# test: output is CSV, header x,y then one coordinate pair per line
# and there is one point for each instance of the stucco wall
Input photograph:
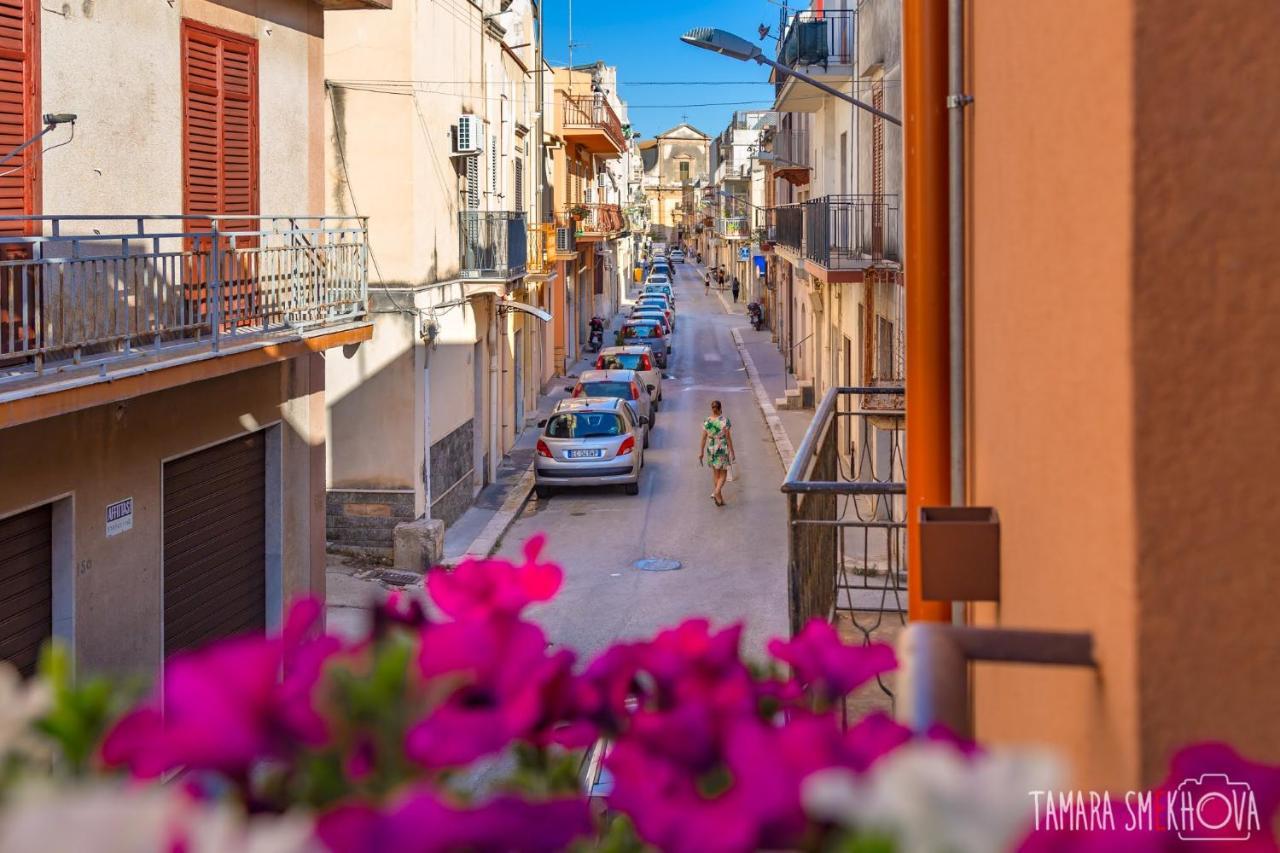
x,y
1051,415
101,455
1206,352
117,66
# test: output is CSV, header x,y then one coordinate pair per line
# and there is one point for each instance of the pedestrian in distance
x,y
706,282
716,451
735,288
720,279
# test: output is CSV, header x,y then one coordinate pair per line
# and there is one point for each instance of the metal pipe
x,y
956,342
934,684
924,77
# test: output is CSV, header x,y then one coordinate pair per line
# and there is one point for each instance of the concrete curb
x,y
486,541
781,441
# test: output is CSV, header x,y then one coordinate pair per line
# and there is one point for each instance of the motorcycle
x,y
756,313
596,339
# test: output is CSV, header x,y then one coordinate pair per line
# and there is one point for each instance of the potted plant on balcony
x,y
578,211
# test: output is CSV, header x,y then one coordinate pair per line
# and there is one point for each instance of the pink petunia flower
x,y
823,663
230,705
424,823
481,589
507,687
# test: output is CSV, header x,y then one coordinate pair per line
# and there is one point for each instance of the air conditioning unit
x,y
566,239
469,135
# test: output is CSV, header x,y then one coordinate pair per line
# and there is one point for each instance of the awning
x,y
528,309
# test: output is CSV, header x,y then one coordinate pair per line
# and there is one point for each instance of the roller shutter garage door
x,y
215,543
26,586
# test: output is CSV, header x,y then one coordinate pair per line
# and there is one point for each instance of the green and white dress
x,y
717,429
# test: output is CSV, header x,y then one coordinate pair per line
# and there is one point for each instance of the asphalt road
x,y
733,557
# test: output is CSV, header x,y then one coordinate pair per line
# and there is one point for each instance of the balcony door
x,y
220,166
20,297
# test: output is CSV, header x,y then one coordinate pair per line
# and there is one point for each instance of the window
x,y
684,171
220,122
585,425
621,390
884,347
493,165
473,182
20,120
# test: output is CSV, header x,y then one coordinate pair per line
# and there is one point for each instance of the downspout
x,y
956,102
924,78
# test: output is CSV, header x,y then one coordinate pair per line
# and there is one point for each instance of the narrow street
x,y
733,558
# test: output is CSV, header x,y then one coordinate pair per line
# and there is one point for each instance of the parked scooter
x,y
756,313
596,339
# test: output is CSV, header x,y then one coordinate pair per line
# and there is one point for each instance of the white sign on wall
x,y
119,516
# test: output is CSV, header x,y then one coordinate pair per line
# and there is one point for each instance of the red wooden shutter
x,y
220,122
20,299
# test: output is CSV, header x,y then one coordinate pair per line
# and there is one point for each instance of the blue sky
x,y
643,40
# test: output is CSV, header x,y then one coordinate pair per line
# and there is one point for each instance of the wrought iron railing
x,y
850,230
541,249
846,513
598,219
814,37
107,286
593,112
733,226
789,226
492,244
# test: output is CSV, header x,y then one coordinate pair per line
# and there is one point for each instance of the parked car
x,y
658,297
660,309
647,333
589,441
657,278
656,314
625,385
637,358
663,287
677,257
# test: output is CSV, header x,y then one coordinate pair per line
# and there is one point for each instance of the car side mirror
x,y
542,423
651,388
569,388
643,421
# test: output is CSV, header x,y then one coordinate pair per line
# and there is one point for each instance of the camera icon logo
x,y
1211,807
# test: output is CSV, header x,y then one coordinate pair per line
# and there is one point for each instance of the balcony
x,y
822,44
790,158
733,227
492,245
89,297
852,231
541,250
788,221
597,221
591,122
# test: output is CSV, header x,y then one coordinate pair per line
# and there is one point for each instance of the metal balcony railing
x,y
791,148
733,226
105,287
814,37
789,226
851,230
598,219
492,244
846,512
541,249
592,112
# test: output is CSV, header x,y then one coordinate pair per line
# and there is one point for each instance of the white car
x,y
637,358
677,257
657,278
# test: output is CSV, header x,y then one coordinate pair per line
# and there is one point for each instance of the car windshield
x,y
621,390
649,331
624,361
584,425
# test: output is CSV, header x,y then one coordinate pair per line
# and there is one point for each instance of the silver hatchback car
x,y
637,358
624,384
589,441
650,334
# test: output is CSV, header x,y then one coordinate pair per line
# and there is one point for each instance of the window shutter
x,y
220,123
519,188
19,113
493,165
473,182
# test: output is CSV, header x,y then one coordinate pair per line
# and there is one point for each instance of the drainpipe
x,y
956,102
924,76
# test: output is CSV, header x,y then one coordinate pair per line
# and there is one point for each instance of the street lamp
x,y
727,44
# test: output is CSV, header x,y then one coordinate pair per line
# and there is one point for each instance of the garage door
x,y
215,543
26,586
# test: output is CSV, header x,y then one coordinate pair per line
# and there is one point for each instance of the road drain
x,y
655,564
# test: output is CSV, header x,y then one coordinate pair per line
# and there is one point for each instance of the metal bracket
x,y
959,101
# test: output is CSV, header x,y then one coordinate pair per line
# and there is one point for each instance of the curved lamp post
x,y
734,47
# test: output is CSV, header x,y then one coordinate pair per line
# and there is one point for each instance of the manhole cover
x,y
656,564
397,578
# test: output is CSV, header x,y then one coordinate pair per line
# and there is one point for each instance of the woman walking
x,y
717,450
735,288
706,282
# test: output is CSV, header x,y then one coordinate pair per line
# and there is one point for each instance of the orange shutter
x,y
20,299
220,123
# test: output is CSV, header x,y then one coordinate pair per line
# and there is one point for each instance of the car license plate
x,y
584,454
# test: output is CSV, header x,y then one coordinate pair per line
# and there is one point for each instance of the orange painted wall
x,y
1124,199
1051,205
